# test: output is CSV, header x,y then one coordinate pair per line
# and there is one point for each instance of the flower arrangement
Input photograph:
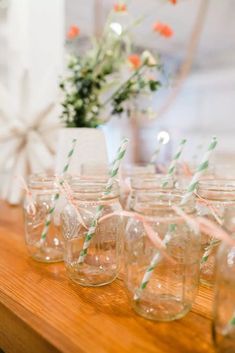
x,y
104,80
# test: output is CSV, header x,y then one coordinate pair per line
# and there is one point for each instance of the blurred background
x,y
205,104
197,99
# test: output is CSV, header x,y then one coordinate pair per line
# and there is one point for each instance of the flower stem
x,y
123,85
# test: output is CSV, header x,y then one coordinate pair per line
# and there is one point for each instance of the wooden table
x,y
42,311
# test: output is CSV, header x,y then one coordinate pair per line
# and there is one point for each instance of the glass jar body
x,y
215,197
223,326
102,262
130,171
172,283
147,184
144,186
42,190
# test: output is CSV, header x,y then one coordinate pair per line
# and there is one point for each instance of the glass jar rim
x,y
92,187
163,200
147,182
222,184
138,169
193,167
217,189
44,181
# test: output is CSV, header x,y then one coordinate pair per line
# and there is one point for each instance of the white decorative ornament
x,y
4,4
164,137
27,137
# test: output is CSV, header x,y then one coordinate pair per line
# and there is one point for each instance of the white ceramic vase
x,y
90,149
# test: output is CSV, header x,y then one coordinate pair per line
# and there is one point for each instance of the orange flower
x,y
73,32
120,7
174,2
134,61
163,29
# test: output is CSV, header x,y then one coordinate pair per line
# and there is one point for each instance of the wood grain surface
x,y
41,310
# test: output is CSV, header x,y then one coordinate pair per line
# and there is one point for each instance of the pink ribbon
x,y
161,168
66,190
186,169
206,226
195,223
213,210
30,205
152,235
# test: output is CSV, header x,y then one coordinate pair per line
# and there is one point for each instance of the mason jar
x,y
130,171
185,172
40,199
189,168
148,183
101,264
225,171
223,325
215,196
162,288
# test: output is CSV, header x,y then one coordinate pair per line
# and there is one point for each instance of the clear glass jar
x,y
102,262
43,189
185,172
188,169
215,196
148,183
225,171
145,183
130,171
223,326
160,289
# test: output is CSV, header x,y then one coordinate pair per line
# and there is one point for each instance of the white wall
x,y
204,107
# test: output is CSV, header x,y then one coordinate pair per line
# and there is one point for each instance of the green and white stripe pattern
x,y
172,167
116,165
69,156
203,166
157,151
112,175
154,262
157,257
192,186
57,195
199,172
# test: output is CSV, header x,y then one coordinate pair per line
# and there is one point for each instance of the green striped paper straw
x,y
157,151
192,186
66,167
57,195
154,262
116,165
172,167
108,188
203,166
200,171
157,257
